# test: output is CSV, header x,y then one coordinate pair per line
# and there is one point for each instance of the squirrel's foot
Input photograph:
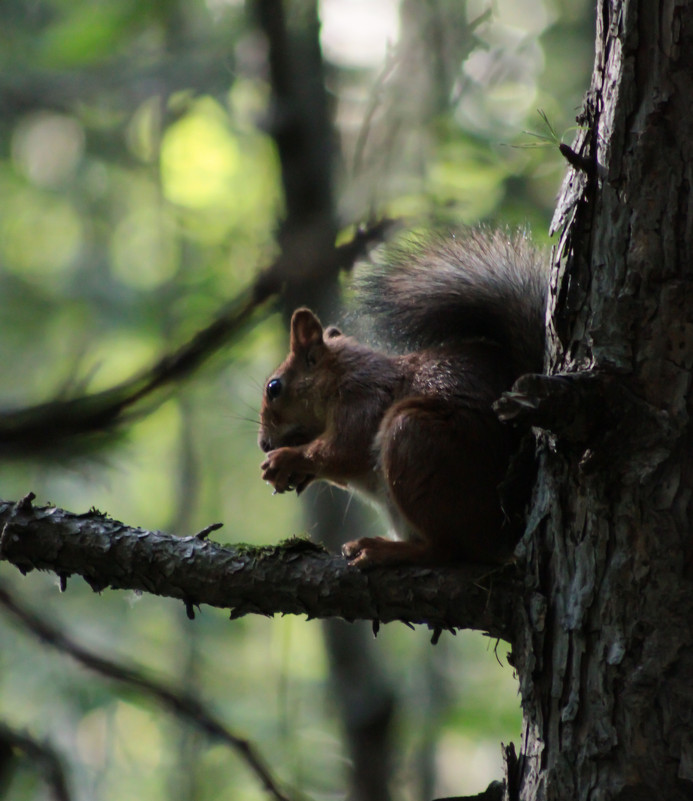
x,y
369,552
363,552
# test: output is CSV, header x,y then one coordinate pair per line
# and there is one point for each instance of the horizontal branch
x,y
294,577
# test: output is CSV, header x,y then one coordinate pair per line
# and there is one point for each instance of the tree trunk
x,y
605,642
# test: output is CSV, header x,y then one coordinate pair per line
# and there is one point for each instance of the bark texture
x,y
296,577
604,647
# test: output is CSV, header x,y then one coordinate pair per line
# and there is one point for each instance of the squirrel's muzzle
x,y
264,442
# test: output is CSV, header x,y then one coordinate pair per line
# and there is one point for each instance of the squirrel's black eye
x,y
274,389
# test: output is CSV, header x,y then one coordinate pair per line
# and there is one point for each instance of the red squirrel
x,y
415,432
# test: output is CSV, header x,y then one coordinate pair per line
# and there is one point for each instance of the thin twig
x,y
392,60
39,754
178,701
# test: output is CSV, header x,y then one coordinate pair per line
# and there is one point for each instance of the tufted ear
x,y
306,331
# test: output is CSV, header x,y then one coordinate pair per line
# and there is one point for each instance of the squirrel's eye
x,y
274,389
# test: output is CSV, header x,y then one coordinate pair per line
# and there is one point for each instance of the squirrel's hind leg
x,y
442,464
370,552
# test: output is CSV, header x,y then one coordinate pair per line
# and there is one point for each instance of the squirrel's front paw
x,y
284,469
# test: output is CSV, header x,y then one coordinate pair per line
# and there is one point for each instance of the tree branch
x,y
77,425
178,701
41,755
294,577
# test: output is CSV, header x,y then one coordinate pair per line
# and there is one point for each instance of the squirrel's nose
x,y
264,443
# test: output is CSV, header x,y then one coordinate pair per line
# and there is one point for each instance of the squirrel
x,y
415,431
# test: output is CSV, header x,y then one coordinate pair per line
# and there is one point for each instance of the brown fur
x,y
416,433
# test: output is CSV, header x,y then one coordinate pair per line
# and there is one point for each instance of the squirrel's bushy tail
x,y
477,283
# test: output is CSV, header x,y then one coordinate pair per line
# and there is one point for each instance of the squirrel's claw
x,y
301,485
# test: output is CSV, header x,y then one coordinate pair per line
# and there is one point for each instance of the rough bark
x,y
604,645
296,577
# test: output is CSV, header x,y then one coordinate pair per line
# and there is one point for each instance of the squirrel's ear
x,y
306,330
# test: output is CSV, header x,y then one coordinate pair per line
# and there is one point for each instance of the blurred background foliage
x,y
139,189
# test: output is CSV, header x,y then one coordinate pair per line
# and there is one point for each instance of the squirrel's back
x,y
474,284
